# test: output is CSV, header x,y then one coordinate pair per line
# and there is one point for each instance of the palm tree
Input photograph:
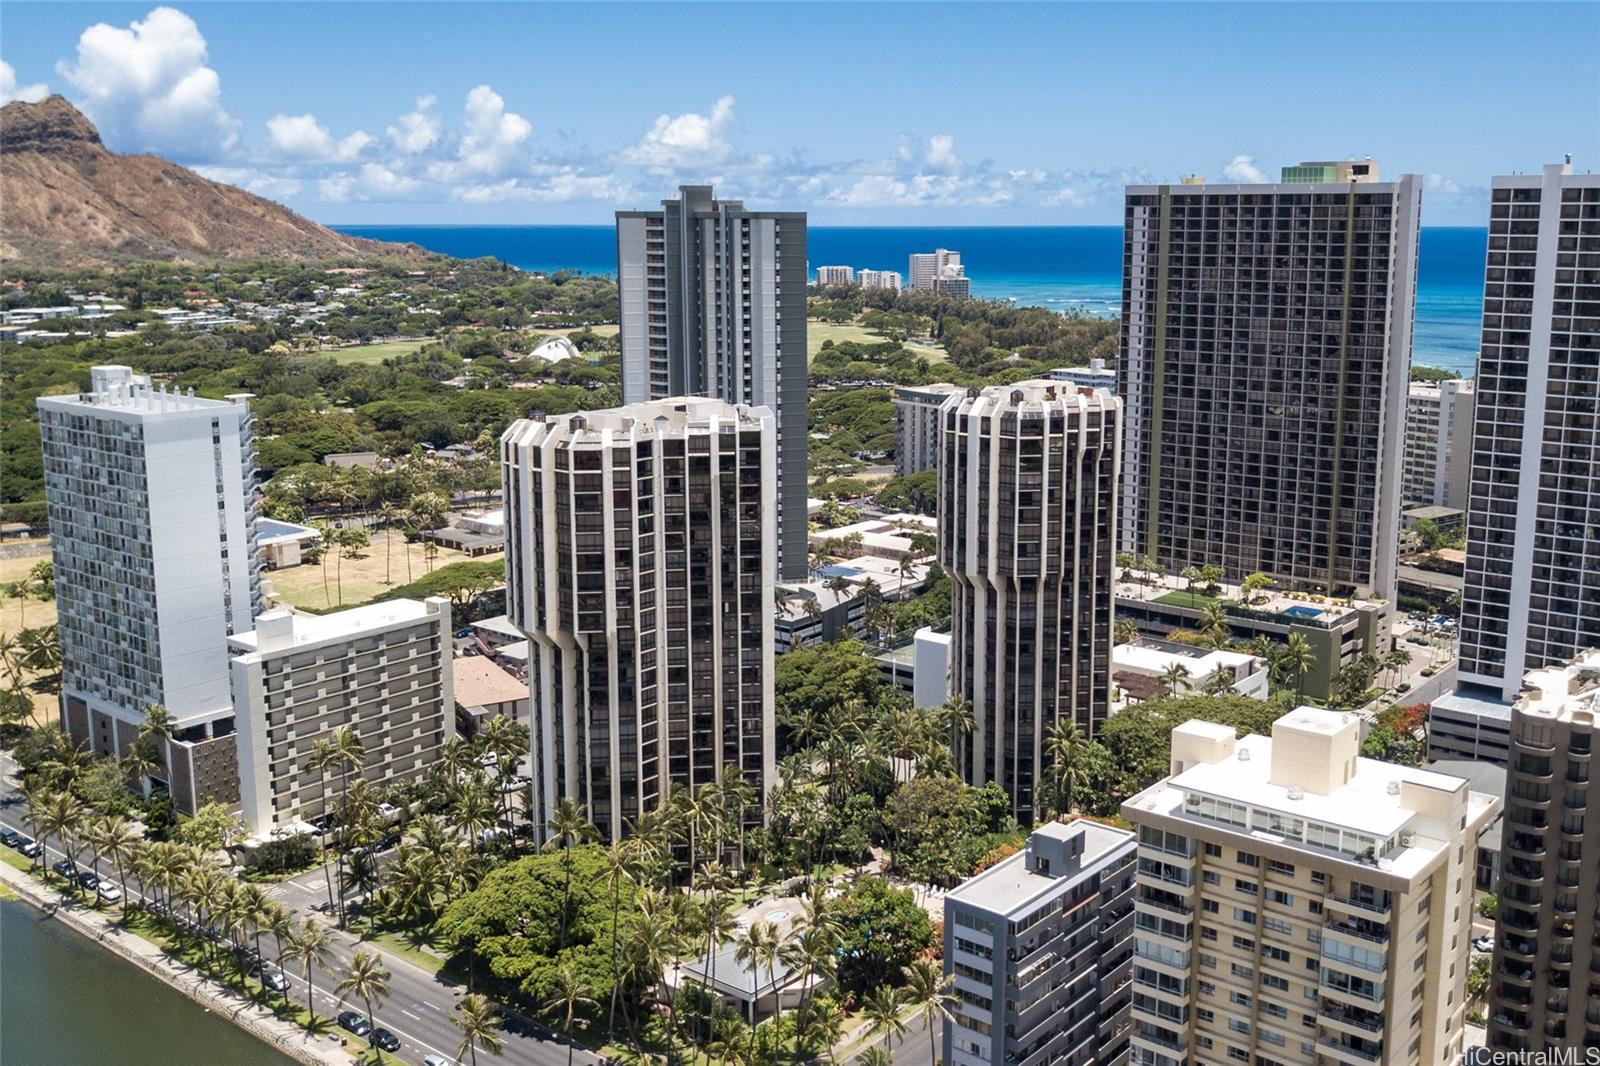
x,y
479,1025
1297,658
117,841
312,946
368,978
1125,631
1175,676
619,871
62,818
1063,744
717,920
280,922
882,1009
928,989
568,826
386,518
36,796
759,946
347,754
570,994
1214,624
876,1055
655,944
1395,661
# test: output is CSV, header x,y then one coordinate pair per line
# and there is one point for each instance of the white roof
x,y
306,629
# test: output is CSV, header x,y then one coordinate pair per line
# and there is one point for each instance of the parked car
x,y
385,1040
270,977
1484,944
63,867
354,1022
29,848
88,880
109,892
436,1060
9,837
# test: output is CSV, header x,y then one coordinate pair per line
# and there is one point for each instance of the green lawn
x,y
837,332
1180,598
373,353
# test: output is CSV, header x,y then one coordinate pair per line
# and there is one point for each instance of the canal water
x,y
65,1001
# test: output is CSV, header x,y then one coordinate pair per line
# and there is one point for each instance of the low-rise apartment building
x,y
384,670
1039,948
1299,904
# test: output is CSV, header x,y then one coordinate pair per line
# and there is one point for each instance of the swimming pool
x,y
1298,611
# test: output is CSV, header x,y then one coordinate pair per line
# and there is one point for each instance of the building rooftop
x,y
673,415
1567,693
479,682
118,388
1013,886
1151,656
1306,789
272,530
1298,608
282,629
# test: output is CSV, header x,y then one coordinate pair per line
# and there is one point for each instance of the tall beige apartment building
x,y
1299,904
383,670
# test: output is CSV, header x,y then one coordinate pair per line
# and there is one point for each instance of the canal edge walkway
x,y
254,1019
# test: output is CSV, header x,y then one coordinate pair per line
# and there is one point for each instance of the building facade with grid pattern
x,y
382,670
1027,521
1545,989
151,497
1532,592
1265,357
640,560
1298,905
713,303
1438,455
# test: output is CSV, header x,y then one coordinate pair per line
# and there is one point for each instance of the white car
x,y
109,892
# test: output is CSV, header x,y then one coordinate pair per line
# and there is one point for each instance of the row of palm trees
x,y
210,908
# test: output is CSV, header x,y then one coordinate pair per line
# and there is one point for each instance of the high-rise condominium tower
x,y
714,304
1438,453
152,529
1545,992
641,559
1027,520
927,267
1532,595
1298,904
1266,350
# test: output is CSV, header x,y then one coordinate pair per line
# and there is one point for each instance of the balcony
x,y
1361,930
1363,1020
1353,1053
1363,904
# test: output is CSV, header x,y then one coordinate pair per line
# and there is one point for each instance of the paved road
x,y
419,1004
1428,689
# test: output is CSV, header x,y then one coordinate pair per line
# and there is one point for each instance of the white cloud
x,y
942,154
685,140
559,187
1440,183
374,181
10,90
1242,168
417,130
272,186
303,137
148,87
492,133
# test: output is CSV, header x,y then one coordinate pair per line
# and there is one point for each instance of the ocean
x,y
1060,267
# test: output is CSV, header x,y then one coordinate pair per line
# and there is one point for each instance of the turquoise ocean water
x,y
1059,267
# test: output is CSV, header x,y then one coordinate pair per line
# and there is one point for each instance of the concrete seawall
x,y
285,1037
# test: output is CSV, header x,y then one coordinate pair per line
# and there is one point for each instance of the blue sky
x,y
862,113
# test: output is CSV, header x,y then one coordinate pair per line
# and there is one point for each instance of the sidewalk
x,y
254,1019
